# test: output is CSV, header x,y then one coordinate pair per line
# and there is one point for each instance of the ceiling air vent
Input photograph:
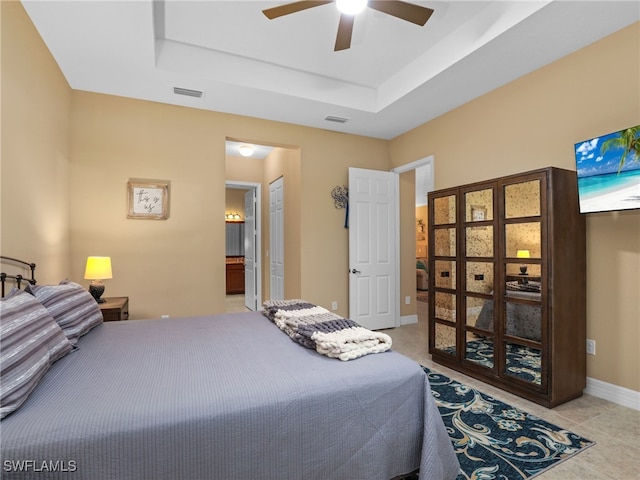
x,y
333,118
187,92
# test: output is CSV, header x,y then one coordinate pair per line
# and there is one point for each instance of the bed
x,y
223,397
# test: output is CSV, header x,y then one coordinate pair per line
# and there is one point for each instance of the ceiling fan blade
x,y
345,29
293,7
406,11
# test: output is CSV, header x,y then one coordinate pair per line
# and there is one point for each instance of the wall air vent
x,y
333,118
187,92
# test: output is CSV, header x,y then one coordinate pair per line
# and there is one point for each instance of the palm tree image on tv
x,y
608,170
629,141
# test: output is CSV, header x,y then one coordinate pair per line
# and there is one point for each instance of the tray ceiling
x,y
395,76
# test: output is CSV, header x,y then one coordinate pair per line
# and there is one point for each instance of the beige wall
x,y
116,138
534,122
34,157
243,169
324,242
173,266
407,242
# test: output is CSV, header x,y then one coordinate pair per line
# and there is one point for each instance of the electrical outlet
x,y
591,347
164,316
334,305
407,300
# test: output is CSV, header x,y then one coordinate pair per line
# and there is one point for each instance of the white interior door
x,y
373,253
276,239
250,240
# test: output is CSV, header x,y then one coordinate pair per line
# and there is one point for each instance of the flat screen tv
x,y
608,170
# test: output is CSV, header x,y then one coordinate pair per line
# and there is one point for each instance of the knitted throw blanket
x,y
329,334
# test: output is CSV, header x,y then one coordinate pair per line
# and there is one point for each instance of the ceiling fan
x,y
397,8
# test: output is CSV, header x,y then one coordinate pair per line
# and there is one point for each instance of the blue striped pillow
x,y
71,306
30,341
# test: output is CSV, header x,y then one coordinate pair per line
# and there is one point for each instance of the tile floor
x,y
616,429
235,303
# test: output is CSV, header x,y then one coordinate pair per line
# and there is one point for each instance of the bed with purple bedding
x,y
226,397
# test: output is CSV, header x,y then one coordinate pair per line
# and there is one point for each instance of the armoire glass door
x,y
523,296
443,300
479,273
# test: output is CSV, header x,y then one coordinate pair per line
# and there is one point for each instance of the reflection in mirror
x,y
522,199
445,274
445,242
444,210
474,307
484,315
234,232
479,350
524,363
479,205
523,272
479,277
522,319
445,306
479,241
524,238
445,338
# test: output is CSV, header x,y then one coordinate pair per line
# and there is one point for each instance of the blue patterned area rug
x,y
494,440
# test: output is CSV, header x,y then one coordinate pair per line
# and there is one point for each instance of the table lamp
x,y
523,254
98,269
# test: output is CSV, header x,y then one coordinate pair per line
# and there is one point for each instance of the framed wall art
x,y
148,199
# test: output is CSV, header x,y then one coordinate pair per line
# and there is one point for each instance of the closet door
x,y
276,239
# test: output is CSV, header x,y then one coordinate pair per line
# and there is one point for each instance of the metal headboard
x,y
17,279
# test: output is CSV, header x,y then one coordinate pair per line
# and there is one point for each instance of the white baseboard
x,y
608,391
408,319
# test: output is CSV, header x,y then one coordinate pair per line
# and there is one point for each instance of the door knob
x,y
355,271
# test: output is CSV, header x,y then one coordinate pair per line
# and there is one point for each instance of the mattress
x,y
226,397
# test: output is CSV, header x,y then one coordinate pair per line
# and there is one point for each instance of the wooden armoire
x,y
507,302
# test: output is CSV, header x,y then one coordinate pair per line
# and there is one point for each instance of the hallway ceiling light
x,y
245,150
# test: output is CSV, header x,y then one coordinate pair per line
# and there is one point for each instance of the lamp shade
x,y
523,254
98,268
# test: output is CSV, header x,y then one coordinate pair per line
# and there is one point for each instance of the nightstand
x,y
115,308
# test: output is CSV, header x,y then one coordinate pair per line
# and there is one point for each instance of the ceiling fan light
x,y
245,150
351,7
